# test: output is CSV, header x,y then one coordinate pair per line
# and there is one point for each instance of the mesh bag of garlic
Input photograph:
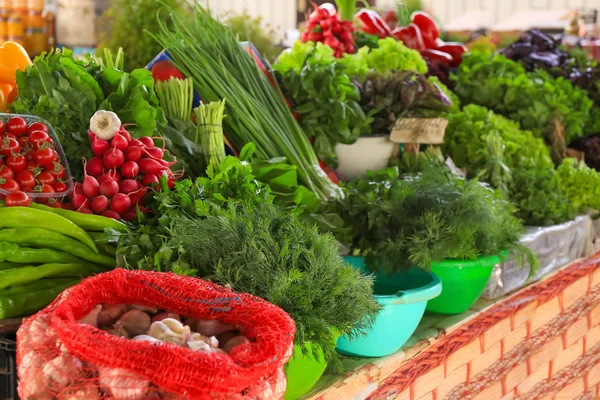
x,y
145,335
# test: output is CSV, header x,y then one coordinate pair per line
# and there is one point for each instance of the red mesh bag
x,y
59,358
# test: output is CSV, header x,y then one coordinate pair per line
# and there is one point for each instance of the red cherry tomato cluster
x,y
325,26
29,162
119,175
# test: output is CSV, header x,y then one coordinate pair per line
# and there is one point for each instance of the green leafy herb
x,y
417,219
326,101
551,108
538,197
580,184
400,94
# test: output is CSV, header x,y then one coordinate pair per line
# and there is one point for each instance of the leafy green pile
x,y
551,108
125,23
389,55
467,143
454,100
538,196
326,101
226,228
400,94
580,183
398,221
66,92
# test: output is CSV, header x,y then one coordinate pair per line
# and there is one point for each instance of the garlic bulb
x,y
174,325
105,124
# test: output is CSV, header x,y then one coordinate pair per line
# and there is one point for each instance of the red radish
x,y
128,185
78,188
130,216
79,200
137,197
92,136
111,214
90,186
99,204
129,169
147,141
134,153
99,146
85,210
113,158
119,142
150,180
120,203
137,143
125,134
150,166
94,166
107,176
155,152
109,188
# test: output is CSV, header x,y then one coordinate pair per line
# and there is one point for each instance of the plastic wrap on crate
x,y
555,247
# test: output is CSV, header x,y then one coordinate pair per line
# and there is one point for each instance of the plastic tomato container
x,y
68,179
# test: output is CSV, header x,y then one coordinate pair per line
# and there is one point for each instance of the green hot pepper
x,y
24,255
24,217
35,286
8,265
44,238
88,222
23,275
28,303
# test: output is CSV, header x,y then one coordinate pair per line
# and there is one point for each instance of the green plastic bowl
x,y
462,283
403,296
303,372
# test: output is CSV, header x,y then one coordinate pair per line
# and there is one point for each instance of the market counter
x,y
542,342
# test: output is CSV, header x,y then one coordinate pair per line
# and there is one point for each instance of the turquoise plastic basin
x,y
404,296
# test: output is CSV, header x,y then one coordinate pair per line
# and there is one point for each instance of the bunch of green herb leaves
x,y
326,101
400,94
551,108
537,194
226,228
416,219
66,92
580,184
125,23
489,146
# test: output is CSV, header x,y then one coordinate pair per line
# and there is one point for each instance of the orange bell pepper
x,y
13,57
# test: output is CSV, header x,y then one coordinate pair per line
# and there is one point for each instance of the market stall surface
x,y
540,342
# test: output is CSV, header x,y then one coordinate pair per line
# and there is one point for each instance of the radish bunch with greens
x,y
122,170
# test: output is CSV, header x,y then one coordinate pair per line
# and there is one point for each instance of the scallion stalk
x,y
176,97
209,52
209,118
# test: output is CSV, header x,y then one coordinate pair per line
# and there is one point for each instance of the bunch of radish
x,y
121,172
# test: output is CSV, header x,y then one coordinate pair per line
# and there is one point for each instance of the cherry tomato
x,y
60,187
46,178
25,179
10,135
16,163
45,157
6,172
24,142
10,185
30,154
9,146
1,127
46,189
37,126
39,139
59,171
17,126
17,199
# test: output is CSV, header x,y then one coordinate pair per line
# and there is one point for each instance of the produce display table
x,y
542,342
